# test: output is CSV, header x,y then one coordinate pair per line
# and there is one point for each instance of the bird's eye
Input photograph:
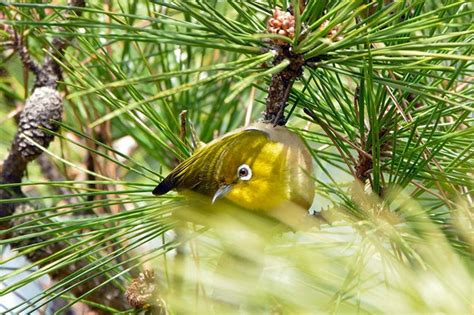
x,y
244,172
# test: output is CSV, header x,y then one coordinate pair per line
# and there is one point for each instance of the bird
x,y
257,183
260,167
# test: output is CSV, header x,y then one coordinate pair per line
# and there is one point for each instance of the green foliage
x,y
387,90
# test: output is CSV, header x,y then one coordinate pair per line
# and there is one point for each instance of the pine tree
x,y
380,91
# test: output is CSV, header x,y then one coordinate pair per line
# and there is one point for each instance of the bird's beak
x,y
221,192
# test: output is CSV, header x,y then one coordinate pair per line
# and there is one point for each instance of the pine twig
x,y
282,23
43,108
280,85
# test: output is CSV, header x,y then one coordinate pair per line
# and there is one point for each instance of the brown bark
x,y
280,85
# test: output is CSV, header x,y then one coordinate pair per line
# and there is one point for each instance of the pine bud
x,y
282,23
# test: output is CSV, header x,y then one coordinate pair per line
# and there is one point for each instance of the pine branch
x,y
281,82
280,85
42,110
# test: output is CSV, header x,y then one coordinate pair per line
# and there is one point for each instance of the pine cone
x,y
42,108
142,290
282,23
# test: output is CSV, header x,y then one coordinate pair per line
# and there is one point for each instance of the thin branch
x,y
282,23
182,130
43,108
280,85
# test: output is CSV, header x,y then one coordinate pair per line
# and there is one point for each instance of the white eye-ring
x,y
244,172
